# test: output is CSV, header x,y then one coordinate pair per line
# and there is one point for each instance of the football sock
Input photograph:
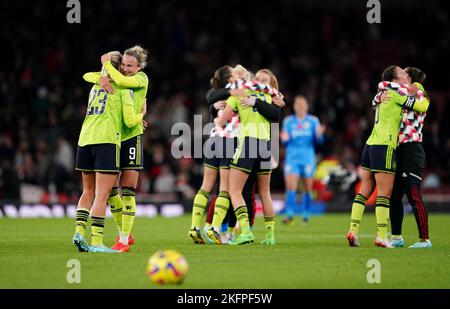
x,y
359,204
200,202
382,214
220,209
128,212
115,205
81,221
242,217
269,223
290,203
98,224
307,199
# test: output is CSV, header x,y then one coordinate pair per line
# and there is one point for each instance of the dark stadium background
x,y
325,50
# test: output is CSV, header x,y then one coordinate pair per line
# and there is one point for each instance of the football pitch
x,y
34,254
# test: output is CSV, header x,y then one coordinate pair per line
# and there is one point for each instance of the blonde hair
x,y
116,60
249,76
243,73
139,53
273,78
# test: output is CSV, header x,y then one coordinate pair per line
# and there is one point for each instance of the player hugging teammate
x,y
111,142
410,166
253,96
379,154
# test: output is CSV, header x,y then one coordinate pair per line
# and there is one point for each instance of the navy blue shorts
x,y
98,158
131,154
253,155
379,159
219,151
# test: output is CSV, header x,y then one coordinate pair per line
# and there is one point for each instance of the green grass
x,y
34,254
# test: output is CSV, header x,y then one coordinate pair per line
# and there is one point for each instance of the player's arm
x,y
99,79
92,77
413,103
220,94
213,111
225,114
419,106
135,81
214,95
319,131
269,111
377,99
285,136
130,117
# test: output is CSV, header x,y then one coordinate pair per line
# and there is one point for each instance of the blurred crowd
x,y
327,52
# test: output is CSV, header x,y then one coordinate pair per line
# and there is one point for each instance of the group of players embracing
x,y
239,156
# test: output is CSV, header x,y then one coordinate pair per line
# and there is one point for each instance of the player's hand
x,y
279,101
144,108
413,89
220,105
377,99
144,123
105,82
320,130
249,101
284,136
385,97
105,58
238,92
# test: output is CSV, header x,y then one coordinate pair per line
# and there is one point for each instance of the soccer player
x,y
272,113
220,143
301,132
378,159
123,208
253,154
410,166
98,156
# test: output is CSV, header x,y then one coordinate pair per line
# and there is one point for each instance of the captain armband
x,y
409,102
